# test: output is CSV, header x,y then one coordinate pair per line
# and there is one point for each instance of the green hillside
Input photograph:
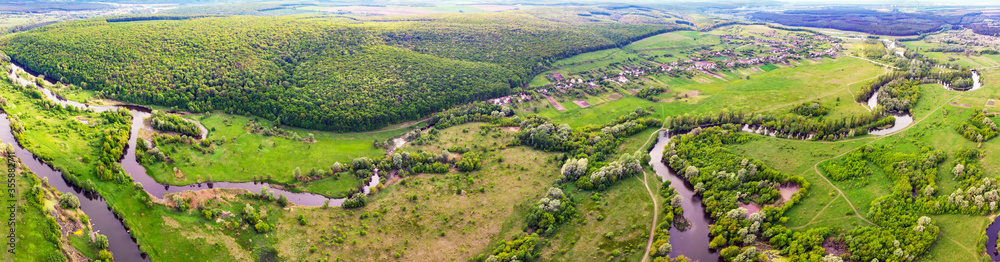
x,y
314,72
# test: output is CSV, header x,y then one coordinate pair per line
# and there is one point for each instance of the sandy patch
x,y
374,10
513,129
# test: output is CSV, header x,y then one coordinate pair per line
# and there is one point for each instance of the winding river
x,y
902,121
103,220
693,241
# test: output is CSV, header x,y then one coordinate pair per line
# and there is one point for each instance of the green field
x,y
162,231
439,224
245,155
784,87
467,215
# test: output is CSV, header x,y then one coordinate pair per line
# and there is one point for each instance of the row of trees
x,y
811,109
594,142
113,143
172,123
786,125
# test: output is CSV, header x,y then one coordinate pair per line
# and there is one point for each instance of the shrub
x,y
69,201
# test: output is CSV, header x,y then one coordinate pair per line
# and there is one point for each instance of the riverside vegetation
x,y
505,181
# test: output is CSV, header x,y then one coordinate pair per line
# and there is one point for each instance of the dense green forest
x,y
315,72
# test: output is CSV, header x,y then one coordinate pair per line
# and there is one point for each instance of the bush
x,y
101,241
105,255
69,201
355,201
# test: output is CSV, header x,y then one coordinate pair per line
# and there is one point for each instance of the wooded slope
x,y
315,72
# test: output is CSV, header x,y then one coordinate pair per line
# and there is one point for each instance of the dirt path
x,y
656,205
656,214
973,253
816,168
656,208
877,63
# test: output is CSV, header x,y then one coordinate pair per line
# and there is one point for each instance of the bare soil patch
x,y
692,93
581,103
712,74
835,246
959,105
615,97
554,103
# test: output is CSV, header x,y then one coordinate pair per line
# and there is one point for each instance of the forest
x,y
324,74
862,20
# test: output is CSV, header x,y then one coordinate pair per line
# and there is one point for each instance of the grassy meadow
x,y
245,155
425,217
63,139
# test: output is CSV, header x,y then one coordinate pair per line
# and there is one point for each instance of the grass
x,y
959,238
30,224
962,60
785,87
624,211
671,40
61,138
822,205
439,225
246,155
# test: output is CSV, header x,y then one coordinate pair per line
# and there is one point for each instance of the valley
x,y
267,132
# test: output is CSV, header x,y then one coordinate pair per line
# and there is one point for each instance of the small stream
x,y
693,241
122,245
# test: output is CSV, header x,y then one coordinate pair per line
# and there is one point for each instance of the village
x,y
964,40
737,49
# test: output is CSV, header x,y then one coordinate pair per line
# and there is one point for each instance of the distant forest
x,y
323,73
863,20
984,29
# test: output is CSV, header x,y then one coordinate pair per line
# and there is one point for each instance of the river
x,y
902,121
693,241
122,245
991,239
